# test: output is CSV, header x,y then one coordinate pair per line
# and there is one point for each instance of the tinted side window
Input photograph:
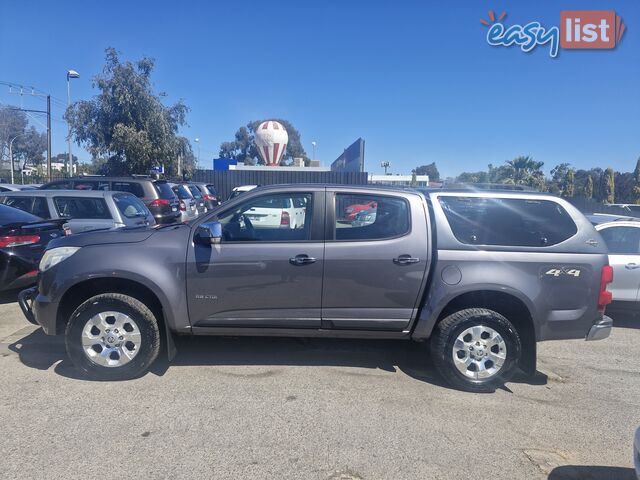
x,y
130,206
131,187
33,205
622,240
268,219
507,221
82,207
370,217
40,207
90,185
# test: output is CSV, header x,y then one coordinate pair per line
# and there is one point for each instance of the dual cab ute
x,y
481,276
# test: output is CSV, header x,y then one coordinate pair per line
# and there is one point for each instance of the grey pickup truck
x,y
482,276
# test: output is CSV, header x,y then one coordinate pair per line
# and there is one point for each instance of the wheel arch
x,y
81,291
506,303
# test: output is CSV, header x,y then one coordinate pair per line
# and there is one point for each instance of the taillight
x,y
159,202
18,241
67,229
605,297
284,218
183,206
210,197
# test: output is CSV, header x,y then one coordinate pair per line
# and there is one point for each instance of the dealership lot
x,y
314,408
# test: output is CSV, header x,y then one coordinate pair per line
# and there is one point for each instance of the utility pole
x,y
49,138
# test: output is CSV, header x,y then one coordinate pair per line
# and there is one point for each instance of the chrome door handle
x,y
302,260
631,266
405,260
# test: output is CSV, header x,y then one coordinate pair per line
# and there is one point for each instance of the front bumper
x,y
39,310
601,329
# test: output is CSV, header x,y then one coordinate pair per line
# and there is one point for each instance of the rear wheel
x,y
476,349
112,337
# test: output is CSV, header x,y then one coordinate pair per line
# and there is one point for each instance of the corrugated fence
x,y
226,180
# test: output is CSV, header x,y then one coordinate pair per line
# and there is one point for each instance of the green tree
x,y
414,180
243,148
624,187
28,145
560,181
430,169
524,170
588,189
609,185
127,122
636,186
570,185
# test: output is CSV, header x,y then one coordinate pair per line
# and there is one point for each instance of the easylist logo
x,y
579,29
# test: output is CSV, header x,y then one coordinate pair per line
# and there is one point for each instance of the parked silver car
x,y
623,241
86,210
188,204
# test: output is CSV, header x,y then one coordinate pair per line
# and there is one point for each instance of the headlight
x,y
56,255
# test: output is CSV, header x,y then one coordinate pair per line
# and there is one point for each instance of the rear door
x,y
373,272
623,242
261,274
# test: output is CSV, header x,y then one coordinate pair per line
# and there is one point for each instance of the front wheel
x,y
112,337
476,349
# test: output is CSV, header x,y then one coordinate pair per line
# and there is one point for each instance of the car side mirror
x,y
209,233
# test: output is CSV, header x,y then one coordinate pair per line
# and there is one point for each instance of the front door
x,y
376,257
267,270
623,242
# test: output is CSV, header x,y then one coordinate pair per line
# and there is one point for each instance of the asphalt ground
x,y
315,409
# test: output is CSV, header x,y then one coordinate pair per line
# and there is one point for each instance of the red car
x,y
351,211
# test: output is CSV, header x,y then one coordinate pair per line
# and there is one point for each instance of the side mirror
x,y
208,233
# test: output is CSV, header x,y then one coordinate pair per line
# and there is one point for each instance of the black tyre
x,y
112,337
475,349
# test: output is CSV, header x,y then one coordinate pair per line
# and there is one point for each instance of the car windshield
x,y
164,190
195,191
182,192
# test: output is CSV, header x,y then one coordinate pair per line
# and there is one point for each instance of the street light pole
x,y
197,140
314,150
11,154
70,74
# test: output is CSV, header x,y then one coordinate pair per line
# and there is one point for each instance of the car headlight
x,y
55,256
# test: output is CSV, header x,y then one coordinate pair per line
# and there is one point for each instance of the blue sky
x,y
416,80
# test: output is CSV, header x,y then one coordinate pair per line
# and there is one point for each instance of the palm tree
x,y
526,171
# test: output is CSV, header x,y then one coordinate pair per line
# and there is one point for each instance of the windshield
x,y
195,191
164,190
182,192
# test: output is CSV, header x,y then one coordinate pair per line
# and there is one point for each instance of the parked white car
x,y
623,241
240,190
279,211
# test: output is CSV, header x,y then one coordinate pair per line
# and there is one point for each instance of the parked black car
x,y
23,239
209,193
157,195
